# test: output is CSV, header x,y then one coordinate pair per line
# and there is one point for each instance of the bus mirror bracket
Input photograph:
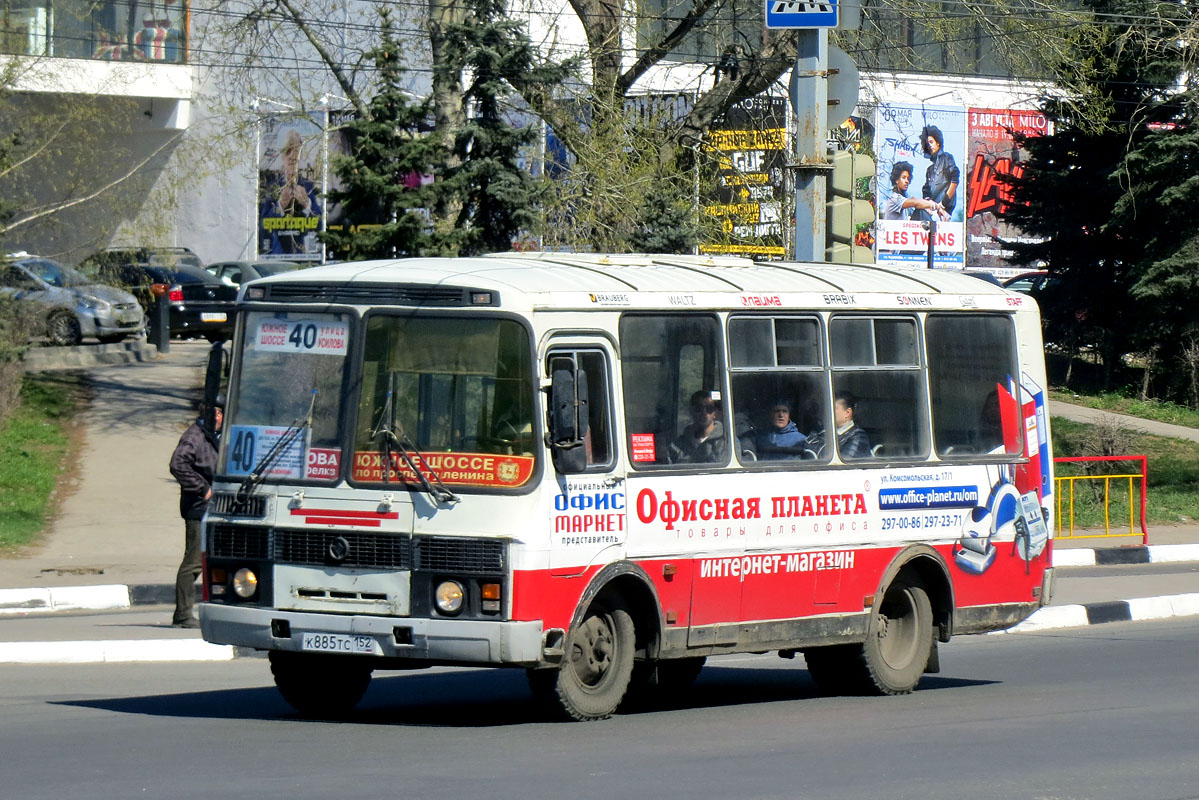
x,y
568,417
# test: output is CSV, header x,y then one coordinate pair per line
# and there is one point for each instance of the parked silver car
x,y
76,306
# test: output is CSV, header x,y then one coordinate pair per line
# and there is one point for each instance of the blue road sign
x,y
798,14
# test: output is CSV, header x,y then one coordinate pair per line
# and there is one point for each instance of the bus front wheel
x,y
319,685
598,664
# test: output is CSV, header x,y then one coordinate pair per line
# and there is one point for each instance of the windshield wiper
x,y
258,474
430,481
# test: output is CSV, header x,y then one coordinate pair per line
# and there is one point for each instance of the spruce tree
x,y
1113,194
384,194
494,197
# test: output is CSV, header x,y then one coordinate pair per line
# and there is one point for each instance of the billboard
x,y
290,185
746,197
919,152
994,155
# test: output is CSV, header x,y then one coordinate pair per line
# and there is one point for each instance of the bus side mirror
x,y
568,417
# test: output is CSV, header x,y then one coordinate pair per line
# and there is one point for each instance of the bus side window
x,y
593,365
876,360
780,387
971,362
665,360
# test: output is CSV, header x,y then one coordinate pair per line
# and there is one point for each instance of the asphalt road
x,y
1100,712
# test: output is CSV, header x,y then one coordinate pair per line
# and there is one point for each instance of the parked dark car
x,y
149,256
74,306
200,305
1028,282
235,273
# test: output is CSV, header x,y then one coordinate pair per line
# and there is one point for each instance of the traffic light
x,y
847,208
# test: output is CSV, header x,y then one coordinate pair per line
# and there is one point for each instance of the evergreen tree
x,y
383,194
1113,197
668,215
493,198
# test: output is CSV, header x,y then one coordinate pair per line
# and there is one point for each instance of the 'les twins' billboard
x,y
946,164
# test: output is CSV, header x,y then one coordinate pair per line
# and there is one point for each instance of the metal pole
x,y
932,237
810,101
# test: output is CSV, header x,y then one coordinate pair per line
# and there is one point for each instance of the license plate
x,y
129,319
212,317
338,643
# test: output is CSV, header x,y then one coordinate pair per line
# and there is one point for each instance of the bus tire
x,y
319,686
596,671
897,647
894,655
656,681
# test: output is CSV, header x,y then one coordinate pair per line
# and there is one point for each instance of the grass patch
x,y
1173,479
36,449
1156,410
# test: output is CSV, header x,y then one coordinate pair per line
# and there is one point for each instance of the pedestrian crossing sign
x,y
801,14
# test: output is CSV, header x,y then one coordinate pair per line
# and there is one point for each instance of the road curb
x,y
1139,609
104,597
1140,554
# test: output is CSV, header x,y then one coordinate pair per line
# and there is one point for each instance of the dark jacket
x,y
689,449
193,464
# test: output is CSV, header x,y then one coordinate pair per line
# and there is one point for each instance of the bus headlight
x,y
245,583
449,597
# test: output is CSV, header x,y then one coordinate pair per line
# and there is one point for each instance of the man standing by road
x,y
193,464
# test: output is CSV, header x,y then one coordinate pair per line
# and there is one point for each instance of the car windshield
x,y
292,373
453,396
55,274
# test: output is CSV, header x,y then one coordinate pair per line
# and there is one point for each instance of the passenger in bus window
x,y
701,442
782,439
852,441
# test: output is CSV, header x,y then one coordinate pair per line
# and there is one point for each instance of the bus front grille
x,y
238,541
371,550
228,504
450,554
307,547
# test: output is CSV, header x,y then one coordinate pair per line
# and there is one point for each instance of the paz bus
x,y
604,469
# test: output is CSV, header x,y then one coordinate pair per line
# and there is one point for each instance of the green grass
x,y
1173,479
35,451
1156,410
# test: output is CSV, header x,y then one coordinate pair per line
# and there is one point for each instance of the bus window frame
x,y
1020,457
823,369
721,375
559,348
538,410
349,384
920,368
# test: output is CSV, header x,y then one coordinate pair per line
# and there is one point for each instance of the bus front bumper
x,y
439,640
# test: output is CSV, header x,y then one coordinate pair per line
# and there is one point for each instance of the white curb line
x,y
113,651
64,598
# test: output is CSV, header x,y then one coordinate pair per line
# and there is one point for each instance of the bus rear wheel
x,y
894,655
321,686
598,664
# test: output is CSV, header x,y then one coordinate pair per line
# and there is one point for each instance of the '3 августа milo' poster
x,y
994,155
921,150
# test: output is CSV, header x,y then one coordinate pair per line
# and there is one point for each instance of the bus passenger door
x,y
590,509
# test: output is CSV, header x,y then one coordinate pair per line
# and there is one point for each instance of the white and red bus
x,y
604,469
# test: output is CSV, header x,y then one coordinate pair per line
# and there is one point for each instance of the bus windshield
x,y
292,376
454,396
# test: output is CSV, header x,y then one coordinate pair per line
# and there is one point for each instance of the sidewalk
x,y
119,523
117,540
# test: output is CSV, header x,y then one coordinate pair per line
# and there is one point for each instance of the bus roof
x,y
570,280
